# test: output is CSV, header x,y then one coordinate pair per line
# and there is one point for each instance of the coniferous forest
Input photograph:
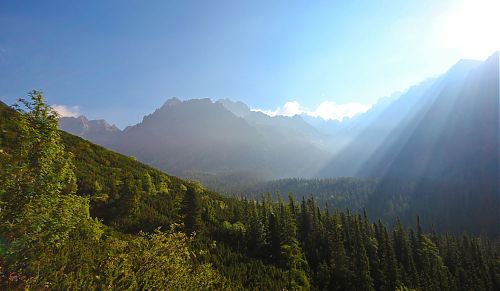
x,y
75,216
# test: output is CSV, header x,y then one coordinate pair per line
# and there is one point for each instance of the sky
x,y
120,60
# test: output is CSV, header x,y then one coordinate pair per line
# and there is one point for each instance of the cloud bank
x,y
67,111
327,110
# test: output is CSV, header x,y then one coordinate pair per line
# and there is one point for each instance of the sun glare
x,y
472,27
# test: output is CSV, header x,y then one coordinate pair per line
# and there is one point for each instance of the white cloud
x,y
327,110
290,108
67,111
331,110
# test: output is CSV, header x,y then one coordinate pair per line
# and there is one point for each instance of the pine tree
x,y
274,239
390,264
361,265
342,276
403,253
256,236
192,210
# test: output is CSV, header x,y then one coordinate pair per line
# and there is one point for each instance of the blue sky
x,y
119,60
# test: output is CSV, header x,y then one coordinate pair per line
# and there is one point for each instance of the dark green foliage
x,y
344,251
192,210
337,193
442,205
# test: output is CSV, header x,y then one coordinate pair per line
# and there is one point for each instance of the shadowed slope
x,y
444,164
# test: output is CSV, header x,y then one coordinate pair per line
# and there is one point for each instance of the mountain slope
x,y
98,131
290,125
440,158
199,136
191,135
457,126
451,154
102,175
360,141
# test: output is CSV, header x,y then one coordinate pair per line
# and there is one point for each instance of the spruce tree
x,y
192,210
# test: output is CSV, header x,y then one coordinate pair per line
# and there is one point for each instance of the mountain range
x,y
200,137
433,149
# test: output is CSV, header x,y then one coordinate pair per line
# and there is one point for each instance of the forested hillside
x,y
77,216
333,194
440,158
385,199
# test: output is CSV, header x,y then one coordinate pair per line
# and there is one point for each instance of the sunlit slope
x,y
112,181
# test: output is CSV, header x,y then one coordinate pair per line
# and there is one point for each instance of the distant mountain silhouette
x,y
283,128
98,131
195,135
201,138
372,134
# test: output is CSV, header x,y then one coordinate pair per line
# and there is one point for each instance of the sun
x,y
471,27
